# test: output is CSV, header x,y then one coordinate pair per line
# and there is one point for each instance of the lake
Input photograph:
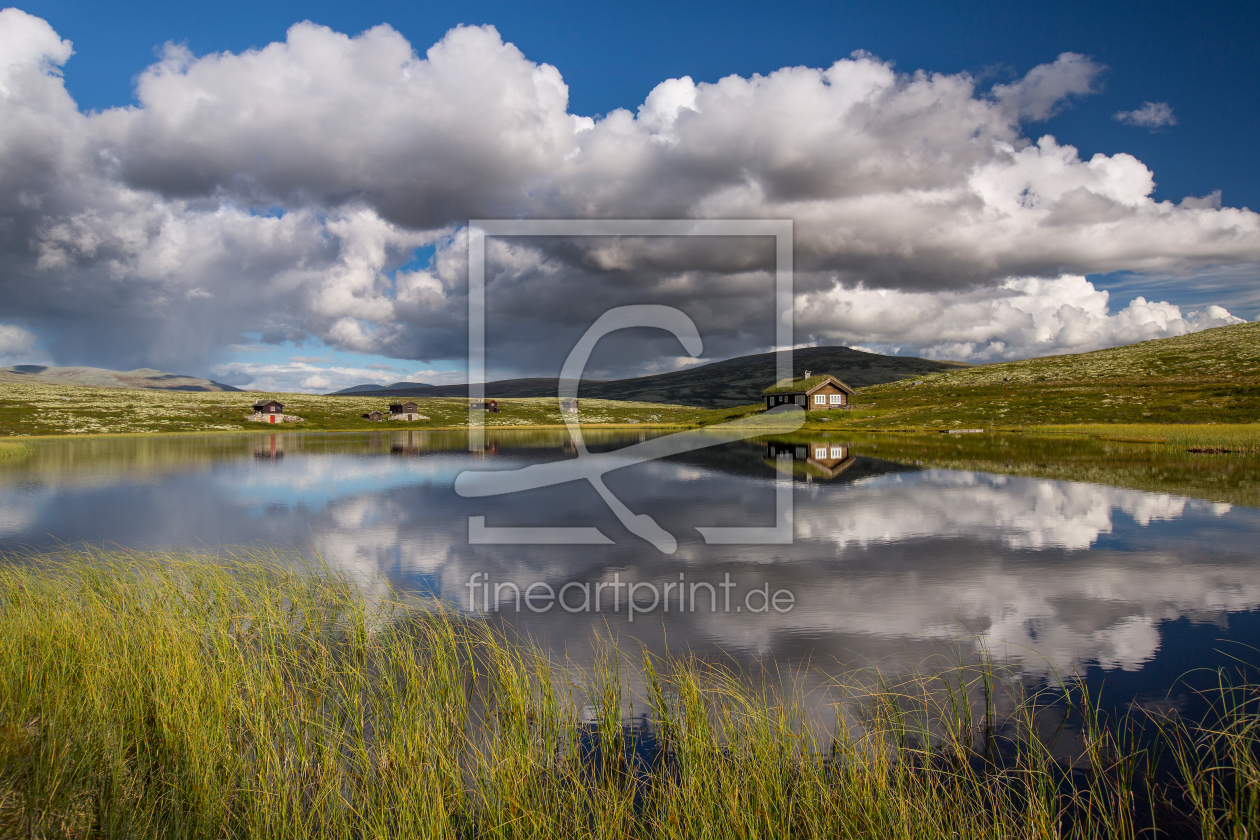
x,y
889,564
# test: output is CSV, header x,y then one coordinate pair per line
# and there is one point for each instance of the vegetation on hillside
x,y
191,697
60,410
1206,377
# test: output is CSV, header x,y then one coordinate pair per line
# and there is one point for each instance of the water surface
x,y
890,563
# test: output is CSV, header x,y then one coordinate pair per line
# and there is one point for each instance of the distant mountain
x,y
146,378
717,384
358,389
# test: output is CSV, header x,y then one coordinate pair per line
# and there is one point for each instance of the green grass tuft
x,y
191,696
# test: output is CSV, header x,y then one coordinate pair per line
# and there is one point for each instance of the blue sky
x,y
1198,62
1201,58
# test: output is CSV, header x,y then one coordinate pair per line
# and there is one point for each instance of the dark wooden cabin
x,y
488,405
374,416
404,408
812,393
569,405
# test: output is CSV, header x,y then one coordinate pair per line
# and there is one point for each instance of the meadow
x,y
198,696
1206,377
75,410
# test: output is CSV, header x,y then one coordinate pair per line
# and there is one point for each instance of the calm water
x,y
889,565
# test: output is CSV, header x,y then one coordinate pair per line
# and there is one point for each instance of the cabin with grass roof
x,y
812,393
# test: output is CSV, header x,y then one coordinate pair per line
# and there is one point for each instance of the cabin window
x,y
837,399
820,452
837,452
800,400
820,399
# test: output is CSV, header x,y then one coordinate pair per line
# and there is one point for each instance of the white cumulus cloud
x,y
281,191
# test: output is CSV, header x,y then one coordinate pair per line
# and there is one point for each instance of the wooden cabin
x,y
406,411
268,412
374,416
487,405
812,393
569,405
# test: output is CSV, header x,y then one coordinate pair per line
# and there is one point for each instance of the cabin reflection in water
x,y
409,443
269,448
816,459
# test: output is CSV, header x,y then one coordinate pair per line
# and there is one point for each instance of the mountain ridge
x,y
149,379
722,384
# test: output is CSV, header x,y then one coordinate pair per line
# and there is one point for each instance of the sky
x,y
276,195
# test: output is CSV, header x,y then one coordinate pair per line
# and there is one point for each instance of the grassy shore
x,y
187,696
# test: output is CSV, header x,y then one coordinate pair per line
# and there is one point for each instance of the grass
x,y
75,410
1211,376
193,696
12,450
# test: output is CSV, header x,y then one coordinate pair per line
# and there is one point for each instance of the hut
x,y
374,416
271,411
486,405
569,405
406,411
812,393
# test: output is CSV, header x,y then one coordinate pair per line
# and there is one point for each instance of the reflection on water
x,y
889,561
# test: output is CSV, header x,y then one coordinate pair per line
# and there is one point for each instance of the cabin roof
x,y
805,386
269,402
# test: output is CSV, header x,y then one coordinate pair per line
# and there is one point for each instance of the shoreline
x,y
1149,433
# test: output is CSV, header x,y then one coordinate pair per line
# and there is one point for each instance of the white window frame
x,y
820,453
820,399
837,452
837,399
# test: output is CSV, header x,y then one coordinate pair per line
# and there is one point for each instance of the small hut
x,y
487,405
374,416
406,411
569,405
271,411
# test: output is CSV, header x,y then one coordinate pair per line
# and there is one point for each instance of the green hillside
x,y
1206,377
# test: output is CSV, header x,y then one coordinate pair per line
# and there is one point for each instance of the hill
x,y
724,384
1211,376
359,389
146,378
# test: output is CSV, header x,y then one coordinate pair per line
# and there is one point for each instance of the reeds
x,y
192,696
